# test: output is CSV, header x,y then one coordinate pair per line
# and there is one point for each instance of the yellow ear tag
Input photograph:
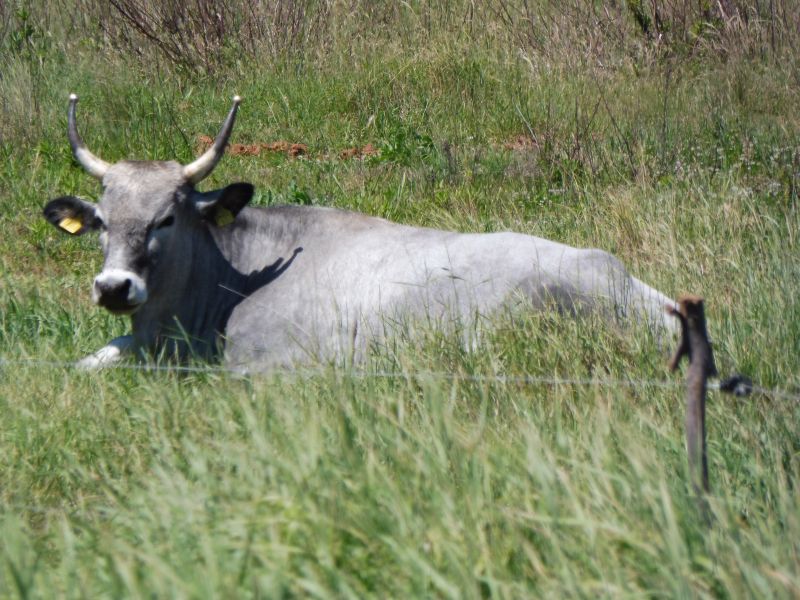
x,y
70,224
223,217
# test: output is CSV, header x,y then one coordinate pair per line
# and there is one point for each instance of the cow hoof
x,y
89,363
107,355
98,360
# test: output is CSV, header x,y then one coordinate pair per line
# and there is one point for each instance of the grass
x,y
400,481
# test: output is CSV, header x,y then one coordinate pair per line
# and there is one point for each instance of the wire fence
x,y
736,385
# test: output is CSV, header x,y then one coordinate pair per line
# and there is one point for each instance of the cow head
x,y
148,217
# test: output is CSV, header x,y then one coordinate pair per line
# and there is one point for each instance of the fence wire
x,y
736,385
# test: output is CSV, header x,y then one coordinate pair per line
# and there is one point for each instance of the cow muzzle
x,y
118,291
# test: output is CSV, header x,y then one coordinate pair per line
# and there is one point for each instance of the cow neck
x,y
261,238
261,244
191,322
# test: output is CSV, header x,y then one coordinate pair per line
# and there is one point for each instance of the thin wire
x,y
35,362
55,510
504,379
519,379
777,393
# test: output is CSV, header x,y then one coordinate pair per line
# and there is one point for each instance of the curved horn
x,y
96,167
198,170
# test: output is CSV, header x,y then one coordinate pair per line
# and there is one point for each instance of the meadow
x,y
664,133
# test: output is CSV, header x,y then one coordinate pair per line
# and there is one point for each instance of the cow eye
x,y
166,222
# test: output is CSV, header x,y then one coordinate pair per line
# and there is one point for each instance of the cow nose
x,y
113,291
119,291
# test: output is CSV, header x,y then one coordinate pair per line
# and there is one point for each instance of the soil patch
x,y
356,152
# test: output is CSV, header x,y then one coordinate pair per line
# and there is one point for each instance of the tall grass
x,y
675,146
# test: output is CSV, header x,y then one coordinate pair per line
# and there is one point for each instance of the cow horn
x,y
200,169
96,167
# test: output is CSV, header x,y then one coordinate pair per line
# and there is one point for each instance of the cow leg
x,y
109,354
652,305
603,277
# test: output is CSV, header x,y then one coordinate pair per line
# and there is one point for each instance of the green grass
x,y
420,474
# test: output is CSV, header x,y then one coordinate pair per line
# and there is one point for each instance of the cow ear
x,y
220,207
73,215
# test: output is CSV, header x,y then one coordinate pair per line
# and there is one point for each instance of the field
x,y
547,462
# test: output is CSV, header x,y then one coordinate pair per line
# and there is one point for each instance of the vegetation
x,y
665,132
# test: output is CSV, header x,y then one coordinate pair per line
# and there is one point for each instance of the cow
x,y
203,275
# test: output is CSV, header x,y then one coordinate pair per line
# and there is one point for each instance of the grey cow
x,y
202,274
